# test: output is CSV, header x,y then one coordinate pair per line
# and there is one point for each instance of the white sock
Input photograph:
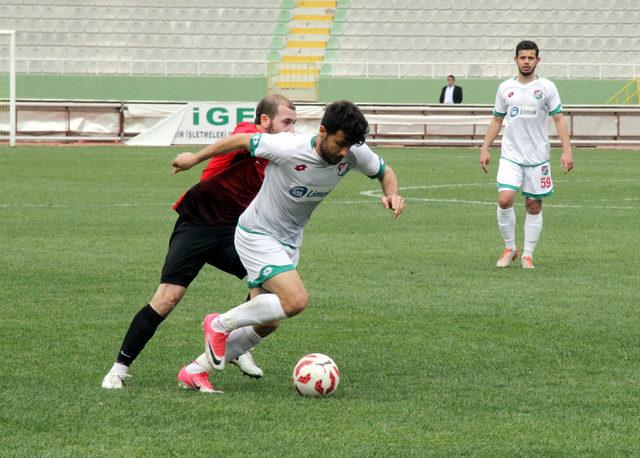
x,y
240,341
261,309
532,229
507,226
200,364
119,369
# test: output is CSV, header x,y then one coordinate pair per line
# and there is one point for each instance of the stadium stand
x,y
112,36
586,33
108,36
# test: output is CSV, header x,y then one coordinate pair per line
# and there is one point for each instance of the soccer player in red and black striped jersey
x,y
204,234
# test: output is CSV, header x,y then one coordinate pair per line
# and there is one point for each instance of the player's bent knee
x,y
264,329
171,299
166,298
294,303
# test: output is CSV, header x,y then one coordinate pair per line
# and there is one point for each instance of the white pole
x,y
12,89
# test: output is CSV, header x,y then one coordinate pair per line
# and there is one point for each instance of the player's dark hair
x,y
346,116
269,106
527,45
451,76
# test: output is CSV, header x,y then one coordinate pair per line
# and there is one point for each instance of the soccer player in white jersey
x,y
526,101
302,171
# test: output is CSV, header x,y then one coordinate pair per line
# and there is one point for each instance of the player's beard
x,y
324,154
528,72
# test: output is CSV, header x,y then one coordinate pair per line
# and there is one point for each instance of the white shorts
x,y
533,181
263,256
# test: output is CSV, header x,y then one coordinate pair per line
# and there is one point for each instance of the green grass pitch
x,y
440,352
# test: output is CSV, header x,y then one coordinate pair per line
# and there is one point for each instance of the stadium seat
x,y
116,67
215,68
618,71
148,68
182,68
45,66
384,70
416,70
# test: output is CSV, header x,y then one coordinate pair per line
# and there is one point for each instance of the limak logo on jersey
x,y
523,112
303,191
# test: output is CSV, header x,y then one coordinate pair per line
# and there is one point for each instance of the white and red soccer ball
x,y
316,375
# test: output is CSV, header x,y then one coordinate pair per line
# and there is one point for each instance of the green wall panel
x,y
103,87
407,90
363,90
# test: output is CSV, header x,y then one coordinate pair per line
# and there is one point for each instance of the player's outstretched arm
x,y
391,199
184,161
566,159
490,136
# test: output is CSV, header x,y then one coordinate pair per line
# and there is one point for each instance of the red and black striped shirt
x,y
227,186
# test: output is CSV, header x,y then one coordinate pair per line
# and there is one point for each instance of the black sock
x,y
141,330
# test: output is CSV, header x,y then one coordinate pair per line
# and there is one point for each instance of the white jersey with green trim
x,y
527,108
296,180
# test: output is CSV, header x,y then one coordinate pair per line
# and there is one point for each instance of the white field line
x,y
377,193
113,205
371,194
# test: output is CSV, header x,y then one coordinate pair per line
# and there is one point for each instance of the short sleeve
x,y
553,100
500,107
367,162
275,148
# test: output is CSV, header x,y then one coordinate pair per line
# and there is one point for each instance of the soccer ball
x,y
316,375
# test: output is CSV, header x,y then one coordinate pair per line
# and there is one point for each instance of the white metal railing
x,y
327,69
479,70
138,67
410,125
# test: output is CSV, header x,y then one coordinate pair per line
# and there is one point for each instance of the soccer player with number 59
x,y
526,101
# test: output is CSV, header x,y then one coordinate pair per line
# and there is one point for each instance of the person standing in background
x,y
451,93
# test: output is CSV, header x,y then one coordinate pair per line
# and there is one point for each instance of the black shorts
x,y
192,246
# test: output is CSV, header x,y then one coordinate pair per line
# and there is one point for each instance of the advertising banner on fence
x,y
197,123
